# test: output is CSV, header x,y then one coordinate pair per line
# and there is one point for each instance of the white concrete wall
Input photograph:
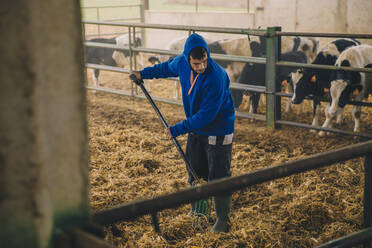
x,y
323,16
156,38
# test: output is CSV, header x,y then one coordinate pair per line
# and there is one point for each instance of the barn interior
x,y
69,150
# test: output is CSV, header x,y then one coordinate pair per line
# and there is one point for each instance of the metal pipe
x,y
257,32
331,35
351,240
273,111
141,207
367,218
325,67
234,58
107,7
297,124
128,93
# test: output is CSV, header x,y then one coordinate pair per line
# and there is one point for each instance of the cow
x,y
349,85
308,46
255,74
315,82
109,56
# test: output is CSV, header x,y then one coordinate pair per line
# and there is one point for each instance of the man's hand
x,y
135,73
168,133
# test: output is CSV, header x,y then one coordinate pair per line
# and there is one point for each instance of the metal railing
x,y
138,208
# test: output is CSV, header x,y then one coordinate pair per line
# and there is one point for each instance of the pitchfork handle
x,y
139,82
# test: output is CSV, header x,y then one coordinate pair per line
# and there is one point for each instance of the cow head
x,y
304,84
153,60
257,49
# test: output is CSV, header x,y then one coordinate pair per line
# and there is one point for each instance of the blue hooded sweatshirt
x,y
209,108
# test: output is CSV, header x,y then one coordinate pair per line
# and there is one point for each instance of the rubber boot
x,y
222,205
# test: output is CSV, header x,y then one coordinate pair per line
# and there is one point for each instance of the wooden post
x,y
43,127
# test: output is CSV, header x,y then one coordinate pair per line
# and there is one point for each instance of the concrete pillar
x,y
43,127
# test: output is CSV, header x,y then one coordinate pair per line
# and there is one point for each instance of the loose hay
x,y
131,159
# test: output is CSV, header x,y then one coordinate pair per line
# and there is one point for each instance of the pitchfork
x,y
202,207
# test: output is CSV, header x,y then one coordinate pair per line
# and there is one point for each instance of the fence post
x,y
131,61
367,218
273,111
98,26
143,7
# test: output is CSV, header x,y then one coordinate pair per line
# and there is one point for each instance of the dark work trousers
x,y
210,159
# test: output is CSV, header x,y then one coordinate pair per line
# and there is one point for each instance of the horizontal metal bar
x,y
356,103
351,240
103,34
259,117
233,58
125,19
236,58
141,207
254,88
297,124
106,7
325,67
229,30
334,35
107,68
128,93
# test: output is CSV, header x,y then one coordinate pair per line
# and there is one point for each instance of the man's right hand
x,y
135,73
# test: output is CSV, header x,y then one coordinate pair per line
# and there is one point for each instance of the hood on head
x,y
193,41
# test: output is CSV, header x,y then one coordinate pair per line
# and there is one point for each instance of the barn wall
x,y
160,38
324,16
43,127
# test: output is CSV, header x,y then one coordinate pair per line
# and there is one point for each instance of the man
x,y
210,116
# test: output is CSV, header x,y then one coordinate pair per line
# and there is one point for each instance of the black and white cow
x,y
316,82
349,85
255,74
308,46
109,56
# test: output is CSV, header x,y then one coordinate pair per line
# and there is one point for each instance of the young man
x,y
210,116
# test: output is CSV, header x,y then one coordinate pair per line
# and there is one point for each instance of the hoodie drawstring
x,y
192,81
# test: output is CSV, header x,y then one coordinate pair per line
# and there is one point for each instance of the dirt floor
x,y
131,159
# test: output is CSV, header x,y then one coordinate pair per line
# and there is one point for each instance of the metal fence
x,y
272,89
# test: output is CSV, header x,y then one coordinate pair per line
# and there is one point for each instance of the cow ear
x,y
313,79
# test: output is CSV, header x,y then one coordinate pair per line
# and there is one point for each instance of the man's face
x,y
199,65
